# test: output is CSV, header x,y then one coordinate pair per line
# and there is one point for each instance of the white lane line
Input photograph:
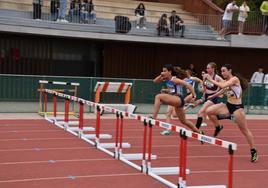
x,y
176,136
57,161
207,129
45,149
67,177
30,131
226,171
35,139
92,147
194,145
209,156
111,159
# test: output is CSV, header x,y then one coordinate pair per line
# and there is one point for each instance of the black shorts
x,y
182,101
215,100
233,107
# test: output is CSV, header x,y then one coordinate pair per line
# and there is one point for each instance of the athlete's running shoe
x,y
204,124
254,155
218,129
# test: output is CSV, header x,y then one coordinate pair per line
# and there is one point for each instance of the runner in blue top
x,y
192,81
188,78
172,96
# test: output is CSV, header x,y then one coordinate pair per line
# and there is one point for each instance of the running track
x,y
35,153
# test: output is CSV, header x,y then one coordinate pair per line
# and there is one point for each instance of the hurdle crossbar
x,y
151,122
43,97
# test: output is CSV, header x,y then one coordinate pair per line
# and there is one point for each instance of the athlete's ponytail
x,y
180,73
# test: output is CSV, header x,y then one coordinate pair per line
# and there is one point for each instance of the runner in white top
x,y
234,86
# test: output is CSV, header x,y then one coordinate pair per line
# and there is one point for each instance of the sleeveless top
x,y
234,94
174,89
210,86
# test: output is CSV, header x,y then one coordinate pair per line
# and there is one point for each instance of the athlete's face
x,y
225,72
210,70
165,73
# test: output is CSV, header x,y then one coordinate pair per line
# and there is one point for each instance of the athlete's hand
x,y
208,77
210,97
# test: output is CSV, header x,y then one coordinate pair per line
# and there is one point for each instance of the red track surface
x,y
34,153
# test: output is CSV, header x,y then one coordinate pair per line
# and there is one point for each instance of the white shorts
x,y
241,19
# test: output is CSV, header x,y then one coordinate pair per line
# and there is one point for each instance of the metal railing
x,y
23,88
109,18
103,18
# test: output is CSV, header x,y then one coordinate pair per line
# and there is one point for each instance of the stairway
x,y
20,12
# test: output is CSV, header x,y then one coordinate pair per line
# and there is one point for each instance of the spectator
x,y
227,19
257,77
87,11
243,14
176,23
265,81
140,13
264,10
75,10
163,25
256,88
54,9
62,11
37,9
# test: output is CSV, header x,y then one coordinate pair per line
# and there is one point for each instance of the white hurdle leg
x,y
167,170
137,156
112,145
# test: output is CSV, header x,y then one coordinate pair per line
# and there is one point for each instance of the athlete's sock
x,y
199,122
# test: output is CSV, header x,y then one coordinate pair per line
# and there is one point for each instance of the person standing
x,y
62,11
227,19
54,9
37,9
264,11
243,14
265,82
256,82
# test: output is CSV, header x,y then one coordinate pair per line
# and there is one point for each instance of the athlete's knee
x,y
210,111
158,96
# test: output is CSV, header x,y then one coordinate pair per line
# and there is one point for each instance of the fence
x,y
23,88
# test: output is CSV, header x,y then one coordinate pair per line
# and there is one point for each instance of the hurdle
x,y
149,123
115,87
43,98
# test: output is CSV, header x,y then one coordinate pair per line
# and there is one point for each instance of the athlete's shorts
x,y
233,107
182,101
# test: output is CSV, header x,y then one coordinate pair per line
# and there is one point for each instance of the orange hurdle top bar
x,y
188,133
113,87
